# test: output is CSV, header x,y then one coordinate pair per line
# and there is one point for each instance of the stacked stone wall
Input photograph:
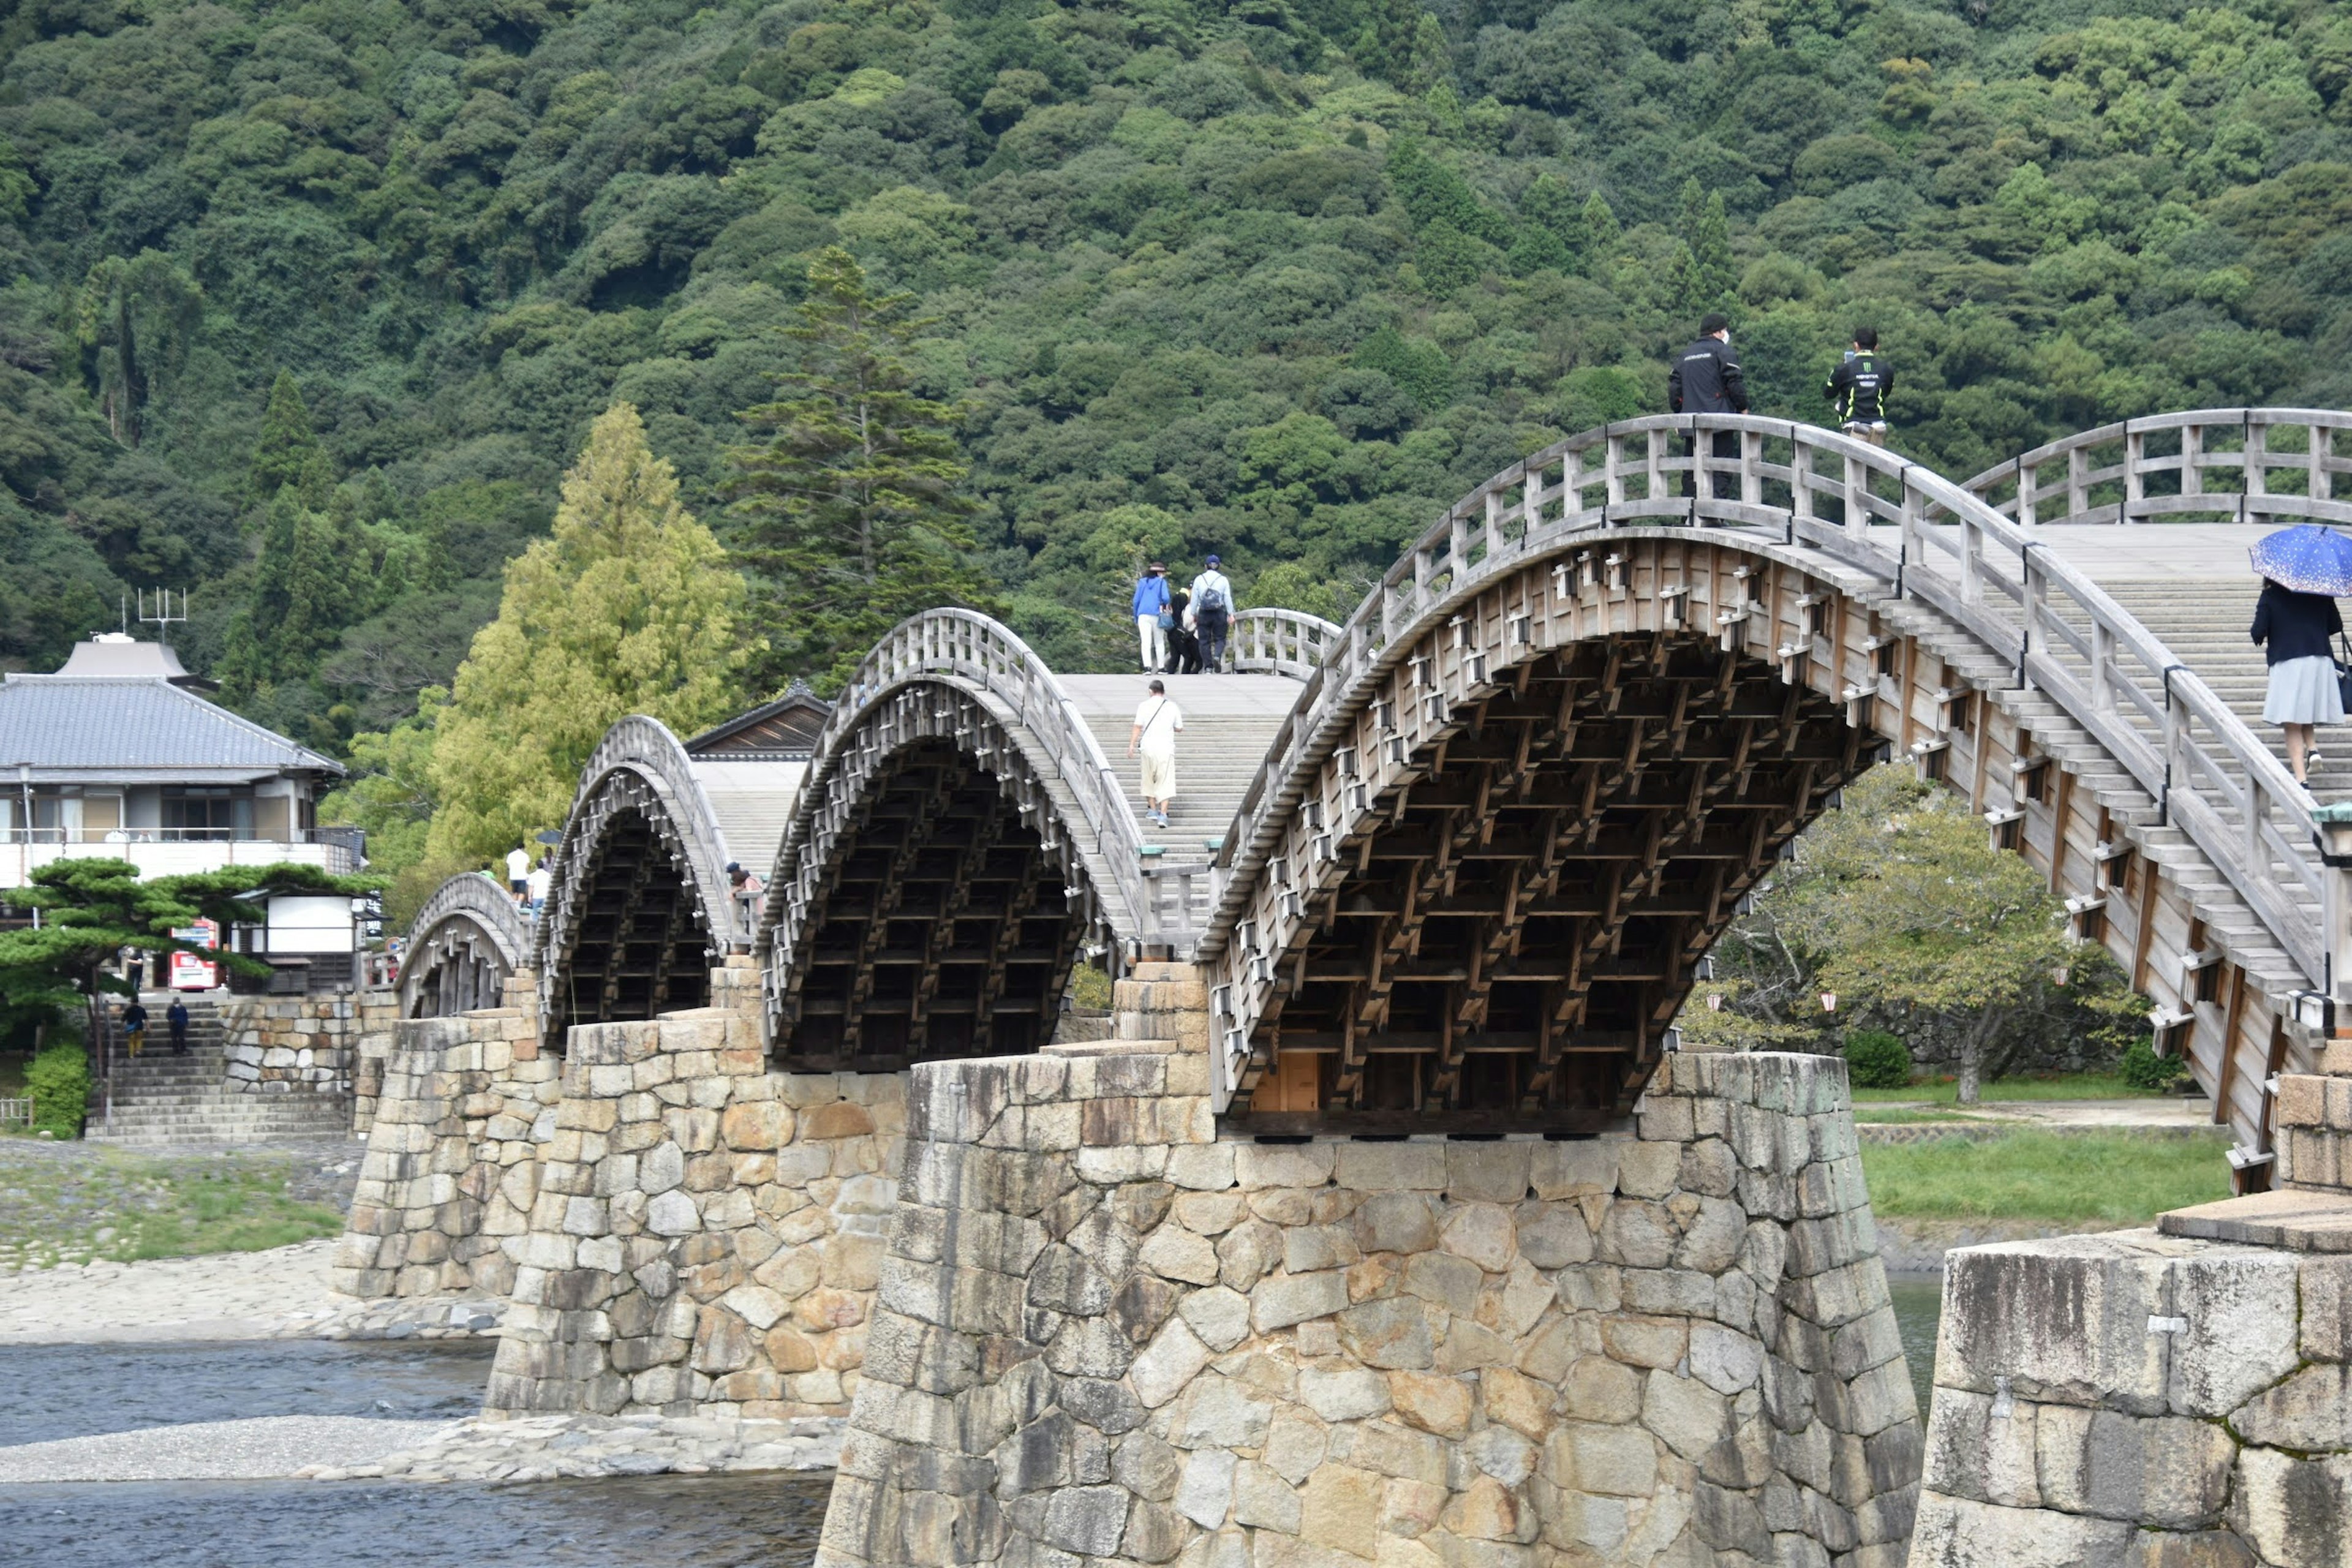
x,y
1104,1335
278,1045
2137,1400
707,1233
451,1172
2174,1398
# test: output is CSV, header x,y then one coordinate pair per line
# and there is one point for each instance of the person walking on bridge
x,y
1211,613
1151,617
1156,725
1706,379
1859,387
2293,630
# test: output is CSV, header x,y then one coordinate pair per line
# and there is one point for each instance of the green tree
x,y
851,504
631,607
307,587
390,794
288,452
93,911
134,320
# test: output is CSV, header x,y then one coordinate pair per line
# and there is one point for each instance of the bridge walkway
x,y
1229,722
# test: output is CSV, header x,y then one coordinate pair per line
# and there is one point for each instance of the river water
x,y
678,1521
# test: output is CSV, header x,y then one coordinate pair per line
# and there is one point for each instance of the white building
x,y
115,755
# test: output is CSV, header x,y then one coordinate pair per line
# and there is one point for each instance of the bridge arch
x,y
960,842
640,908
466,940
1611,658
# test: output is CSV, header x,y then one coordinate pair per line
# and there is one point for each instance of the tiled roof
x,y
61,723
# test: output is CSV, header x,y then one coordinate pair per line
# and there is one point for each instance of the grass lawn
x,y
2079,1178
73,1203
2059,1086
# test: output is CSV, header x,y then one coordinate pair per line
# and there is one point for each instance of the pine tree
x,y
630,607
1714,274
312,580
851,506
288,452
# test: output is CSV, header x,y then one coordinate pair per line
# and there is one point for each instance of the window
x,y
205,811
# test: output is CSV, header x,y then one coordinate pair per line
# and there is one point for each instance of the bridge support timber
x,y
1495,870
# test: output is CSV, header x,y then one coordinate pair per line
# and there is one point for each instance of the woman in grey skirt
x,y
2293,630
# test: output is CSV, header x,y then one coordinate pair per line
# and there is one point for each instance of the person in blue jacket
x,y
1152,615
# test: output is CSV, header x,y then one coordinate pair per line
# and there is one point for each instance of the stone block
x,y
1263,1500
1219,1316
1433,1402
2293,1512
1259,1165
1285,1300
1175,1356
1611,1460
1391,1333
1206,1492
2065,1319
1481,1232
1494,1173
2242,1333
2165,1472
1174,1253
1391,1167
1341,1510
1348,1394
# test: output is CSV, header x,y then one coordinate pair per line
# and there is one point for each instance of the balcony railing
x,y
24,851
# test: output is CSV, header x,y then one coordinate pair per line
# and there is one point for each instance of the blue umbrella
x,y
2307,558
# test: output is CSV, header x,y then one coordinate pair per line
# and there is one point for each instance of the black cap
x,y
1716,321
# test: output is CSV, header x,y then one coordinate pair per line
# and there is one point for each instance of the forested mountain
x,y
1281,278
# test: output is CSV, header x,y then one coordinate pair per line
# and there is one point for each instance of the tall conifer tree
x,y
851,505
630,607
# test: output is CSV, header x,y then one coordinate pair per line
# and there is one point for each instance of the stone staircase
x,y
161,1101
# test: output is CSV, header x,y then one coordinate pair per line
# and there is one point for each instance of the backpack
x,y
1213,601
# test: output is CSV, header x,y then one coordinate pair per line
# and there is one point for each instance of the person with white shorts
x,y
1157,723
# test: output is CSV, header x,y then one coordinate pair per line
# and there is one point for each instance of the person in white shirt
x,y
540,882
519,871
1210,613
1156,725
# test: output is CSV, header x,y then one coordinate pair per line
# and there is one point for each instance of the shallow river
x,y
678,1522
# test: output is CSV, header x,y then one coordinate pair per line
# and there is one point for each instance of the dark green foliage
x,y
2141,1067
57,1077
852,505
1877,1059
443,238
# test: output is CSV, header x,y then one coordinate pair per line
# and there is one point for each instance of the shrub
x,y
58,1081
1877,1059
2142,1069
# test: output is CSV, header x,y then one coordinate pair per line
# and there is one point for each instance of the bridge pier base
x,y
708,1231
2173,1397
1104,1332
451,1167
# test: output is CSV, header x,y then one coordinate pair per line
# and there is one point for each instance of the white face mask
x,y
1727,340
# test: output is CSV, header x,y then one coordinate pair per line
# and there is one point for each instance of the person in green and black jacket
x,y
1859,388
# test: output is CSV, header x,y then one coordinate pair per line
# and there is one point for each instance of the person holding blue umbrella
x,y
2305,570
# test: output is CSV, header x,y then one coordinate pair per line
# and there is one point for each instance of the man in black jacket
x,y
1707,380
1859,387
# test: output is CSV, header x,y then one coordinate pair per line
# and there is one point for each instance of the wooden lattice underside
x,y
943,928
1514,934
459,969
640,949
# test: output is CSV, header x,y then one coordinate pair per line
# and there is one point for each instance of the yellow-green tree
x,y
630,607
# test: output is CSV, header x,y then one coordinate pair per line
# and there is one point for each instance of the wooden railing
x,y
1281,642
985,657
2210,464
1871,509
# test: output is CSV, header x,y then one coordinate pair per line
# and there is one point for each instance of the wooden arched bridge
x,y
1454,865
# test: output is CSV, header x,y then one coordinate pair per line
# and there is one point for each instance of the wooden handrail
x,y
1871,509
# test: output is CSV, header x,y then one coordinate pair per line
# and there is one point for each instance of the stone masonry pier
x,y
1103,1333
2172,1397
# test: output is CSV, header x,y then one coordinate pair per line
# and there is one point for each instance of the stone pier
x,y
2174,1398
1103,1333
451,1172
707,1233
